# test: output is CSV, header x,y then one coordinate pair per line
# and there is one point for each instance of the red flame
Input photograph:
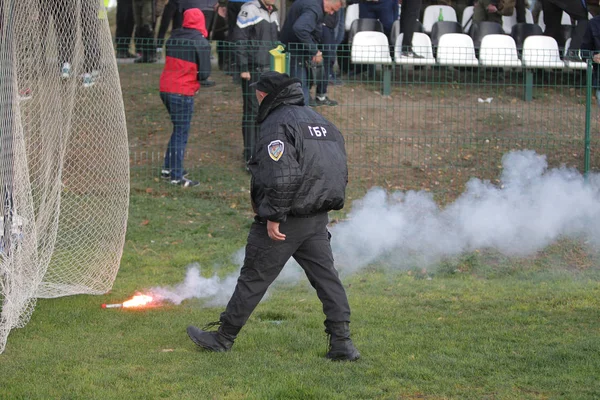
x,y
139,300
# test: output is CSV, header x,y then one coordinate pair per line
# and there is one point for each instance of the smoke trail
x,y
531,208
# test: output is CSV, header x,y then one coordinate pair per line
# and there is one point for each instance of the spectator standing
x,y
593,7
591,49
143,15
187,62
577,9
299,173
124,30
255,33
171,14
386,11
301,33
493,10
329,45
408,24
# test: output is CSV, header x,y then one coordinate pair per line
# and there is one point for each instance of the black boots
x,y
220,340
340,344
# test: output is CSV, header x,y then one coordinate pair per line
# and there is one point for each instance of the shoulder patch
x,y
275,149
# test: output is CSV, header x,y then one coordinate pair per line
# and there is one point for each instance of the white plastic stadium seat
x,y
351,15
456,49
499,51
508,22
432,13
467,18
541,52
369,47
573,64
421,45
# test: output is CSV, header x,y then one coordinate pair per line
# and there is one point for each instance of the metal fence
x,y
407,125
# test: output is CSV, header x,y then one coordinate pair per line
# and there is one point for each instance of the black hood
x,y
288,93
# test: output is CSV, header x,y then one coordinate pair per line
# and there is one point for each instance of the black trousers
x,y
125,24
250,111
408,21
170,13
553,14
307,240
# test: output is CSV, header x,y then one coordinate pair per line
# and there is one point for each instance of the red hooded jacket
x,y
187,56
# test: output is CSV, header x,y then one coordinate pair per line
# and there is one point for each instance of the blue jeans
x,y
299,69
180,108
385,11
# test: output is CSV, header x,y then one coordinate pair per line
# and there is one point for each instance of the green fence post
x,y
588,116
387,80
528,85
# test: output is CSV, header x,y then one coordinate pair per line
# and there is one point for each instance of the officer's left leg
x,y
316,259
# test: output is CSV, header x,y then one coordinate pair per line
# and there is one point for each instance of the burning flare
x,y
137,301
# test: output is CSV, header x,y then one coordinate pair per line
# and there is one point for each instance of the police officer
x,y
143,14
255,33
299,173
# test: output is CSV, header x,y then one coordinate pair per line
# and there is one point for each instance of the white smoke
x,y
531,208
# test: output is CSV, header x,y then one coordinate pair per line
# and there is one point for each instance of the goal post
x,y
64,167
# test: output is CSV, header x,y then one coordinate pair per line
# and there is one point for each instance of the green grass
x,y
474,328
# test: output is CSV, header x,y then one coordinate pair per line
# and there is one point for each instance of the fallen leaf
x,y
145,222
149,190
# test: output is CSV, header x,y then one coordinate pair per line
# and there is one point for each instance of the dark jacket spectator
x,y
591,47
188,56
303,25
256,32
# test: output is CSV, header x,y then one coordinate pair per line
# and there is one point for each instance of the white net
x,y
64,168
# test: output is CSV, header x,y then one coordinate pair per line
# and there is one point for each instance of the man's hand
x,y
318,58
245,75
492,9
273,231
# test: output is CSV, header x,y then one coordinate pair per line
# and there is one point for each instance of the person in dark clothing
x,y
590,47
386,11
408,24
301,33
329,45
124,30
187,62
299,173
577,9
255,33
171,14
143,14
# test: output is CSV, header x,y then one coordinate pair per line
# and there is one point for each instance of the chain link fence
x,y
430,123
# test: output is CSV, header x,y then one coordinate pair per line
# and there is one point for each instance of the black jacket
x,y
301,31
299,166
256,32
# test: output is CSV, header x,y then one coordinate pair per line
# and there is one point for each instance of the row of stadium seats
x,y
431,16
457,49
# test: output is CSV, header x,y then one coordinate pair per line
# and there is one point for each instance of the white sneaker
x,y
65,72
88,80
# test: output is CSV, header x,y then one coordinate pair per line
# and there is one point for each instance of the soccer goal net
x,y
64,170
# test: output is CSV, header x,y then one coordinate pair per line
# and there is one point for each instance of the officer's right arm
x,y
280,174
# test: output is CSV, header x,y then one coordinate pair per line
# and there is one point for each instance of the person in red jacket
x,y
187,63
